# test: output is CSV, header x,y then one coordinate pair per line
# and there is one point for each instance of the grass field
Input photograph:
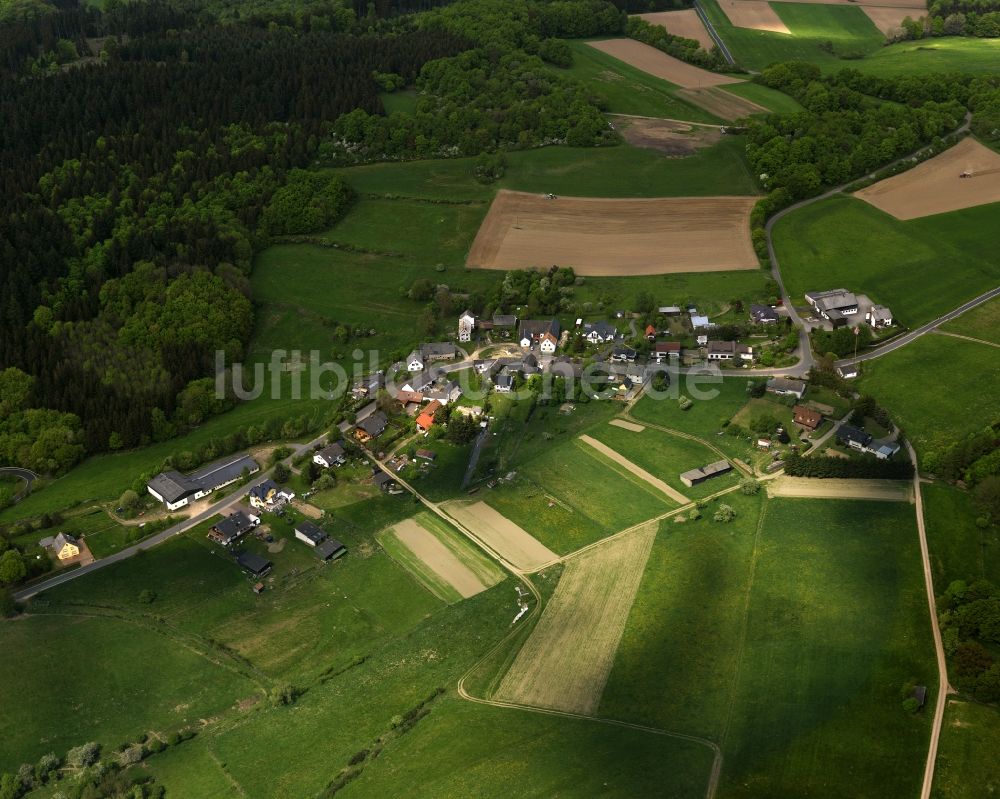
x,y
705,418
967,767
403,101
949,54
933,413
772,99
959,549
811,24
982,322
920,269
623,89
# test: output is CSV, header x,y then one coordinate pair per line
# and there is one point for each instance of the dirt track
x,y
502,535
566,661
935,187
438,558
888,490
638,471
684,23
635,428
754,14
616,237
723,104
660,65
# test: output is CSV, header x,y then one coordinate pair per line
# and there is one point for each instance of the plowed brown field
x,y
684,23
754,14
660,65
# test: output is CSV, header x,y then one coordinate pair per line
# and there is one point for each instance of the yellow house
x,y
65,546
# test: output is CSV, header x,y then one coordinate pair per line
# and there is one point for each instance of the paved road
x,y
944,688
59,579
25,474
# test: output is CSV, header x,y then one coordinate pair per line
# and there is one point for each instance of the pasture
x,y
967,766
620,461
920,269
945,54
616,236
959,548
565,662
934,414
936,186
982,322
622,89
439,558
706,417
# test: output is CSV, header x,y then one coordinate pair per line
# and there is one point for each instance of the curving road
x,y
25,474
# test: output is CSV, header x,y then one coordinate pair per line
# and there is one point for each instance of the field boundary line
x,y
941,332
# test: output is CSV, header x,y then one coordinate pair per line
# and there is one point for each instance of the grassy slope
x,y
811,24
934,388
967,765
836,625
920,269
951,54
982,322
623,89
959,549
705,418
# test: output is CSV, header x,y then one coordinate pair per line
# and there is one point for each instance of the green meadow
x,y
967,766
959,548
982,322
921,268
945,54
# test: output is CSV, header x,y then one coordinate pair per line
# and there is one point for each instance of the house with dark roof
x,y
728,351
176,490
762,314
808,418
232,528
695,476
532,331
786,387
623,355
253,564
269,496
853,437
599,332
372,427
834,305
383,481
308,533
504,321
504,383
332,455
879,317
65,546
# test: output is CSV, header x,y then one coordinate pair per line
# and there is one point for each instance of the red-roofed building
x,y
650,333
426,419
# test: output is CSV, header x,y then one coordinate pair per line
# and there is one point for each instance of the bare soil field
x,y
502,535
602,237
631,426
306,509
667,136
836,488
638,471
935,187
913,5
566,661
754,14
889,19
438,558
660,65
723,104
684,23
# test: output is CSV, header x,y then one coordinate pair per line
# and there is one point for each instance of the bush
x,y
83,756
911,705
725,513
132,755
147,597
749,486
283,695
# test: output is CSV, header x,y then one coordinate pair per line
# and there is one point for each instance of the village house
x,y
65,546
786,387
834,305
384,482
425,421
332,455
663,350
879,317
308,533
696,476
650,333
425,354
269,496
599,332
232,528
466,324
853,437
763,314
323,547
418,382
504,324
504,383
531,331
446,392
848,372
728,351
548,343
176,490
883,449
805,417
371,426
623,355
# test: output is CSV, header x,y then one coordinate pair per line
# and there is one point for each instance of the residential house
x,y
368,386
699,322
548,343
531,331
332,455
663,350
848,372
384,481
853,437
232,528
309,533
805,417
695,476
444,393
599,332
65,546
371,426
425,421
702,340
253,564
623,355
879,317
728,351
425,354
504,383
834,305
763,314
786,387
883,449
650,333
421,380
176,490
269,496
466,324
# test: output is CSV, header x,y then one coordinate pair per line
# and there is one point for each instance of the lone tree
x,y
749,486
281,473
725,513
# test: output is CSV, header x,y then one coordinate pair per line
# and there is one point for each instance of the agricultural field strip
x,y
499,534
631,426
685,22
634,469
434,556
817,488
660,65
566,661
682,434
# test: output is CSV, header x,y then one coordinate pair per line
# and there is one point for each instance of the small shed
x,y
920,694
